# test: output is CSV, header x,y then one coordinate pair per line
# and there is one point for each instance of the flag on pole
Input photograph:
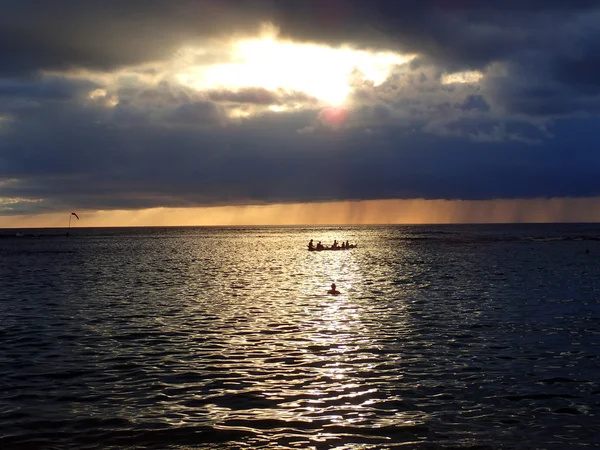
x,y
73,214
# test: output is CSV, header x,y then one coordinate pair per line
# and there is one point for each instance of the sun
x,y
319,71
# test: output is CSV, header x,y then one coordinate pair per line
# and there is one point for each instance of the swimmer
x,y
333,291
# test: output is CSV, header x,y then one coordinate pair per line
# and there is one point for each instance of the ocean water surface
x,y
474,337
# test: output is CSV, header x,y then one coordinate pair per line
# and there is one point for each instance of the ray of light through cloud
x,y
317,70
462,77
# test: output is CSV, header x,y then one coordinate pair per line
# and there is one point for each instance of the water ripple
x,y
225,338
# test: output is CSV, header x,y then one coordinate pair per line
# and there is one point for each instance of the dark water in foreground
x,y
477,337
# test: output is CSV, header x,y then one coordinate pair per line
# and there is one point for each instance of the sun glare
x,y
319,71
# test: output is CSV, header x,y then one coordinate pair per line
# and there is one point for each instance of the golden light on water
x,y
301,345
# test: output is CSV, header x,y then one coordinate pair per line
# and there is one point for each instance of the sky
x,y
202,112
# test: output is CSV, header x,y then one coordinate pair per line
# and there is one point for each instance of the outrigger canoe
x,y
315,249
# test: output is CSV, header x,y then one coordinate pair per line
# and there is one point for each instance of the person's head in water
x,y
333,291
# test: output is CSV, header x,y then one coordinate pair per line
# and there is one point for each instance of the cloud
x,y
71,33
198,113
259,96
84,155
548,48
48,88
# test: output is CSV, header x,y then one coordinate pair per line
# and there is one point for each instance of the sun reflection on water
x,y
270,351
228,338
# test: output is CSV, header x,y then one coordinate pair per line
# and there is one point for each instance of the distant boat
x,y
315,249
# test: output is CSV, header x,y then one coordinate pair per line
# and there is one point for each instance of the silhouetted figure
x,y
347,244
335,244
310,245
319,246
343,245
333,291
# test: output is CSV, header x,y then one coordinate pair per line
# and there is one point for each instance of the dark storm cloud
x,y
259,96
53,88
37,34
98,163
457,33
198,114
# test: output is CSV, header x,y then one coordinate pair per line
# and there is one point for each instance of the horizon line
x,y
575,222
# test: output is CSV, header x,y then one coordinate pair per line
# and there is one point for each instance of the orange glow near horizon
x,y
415,211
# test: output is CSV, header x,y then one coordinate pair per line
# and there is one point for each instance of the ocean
x,y
442,337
